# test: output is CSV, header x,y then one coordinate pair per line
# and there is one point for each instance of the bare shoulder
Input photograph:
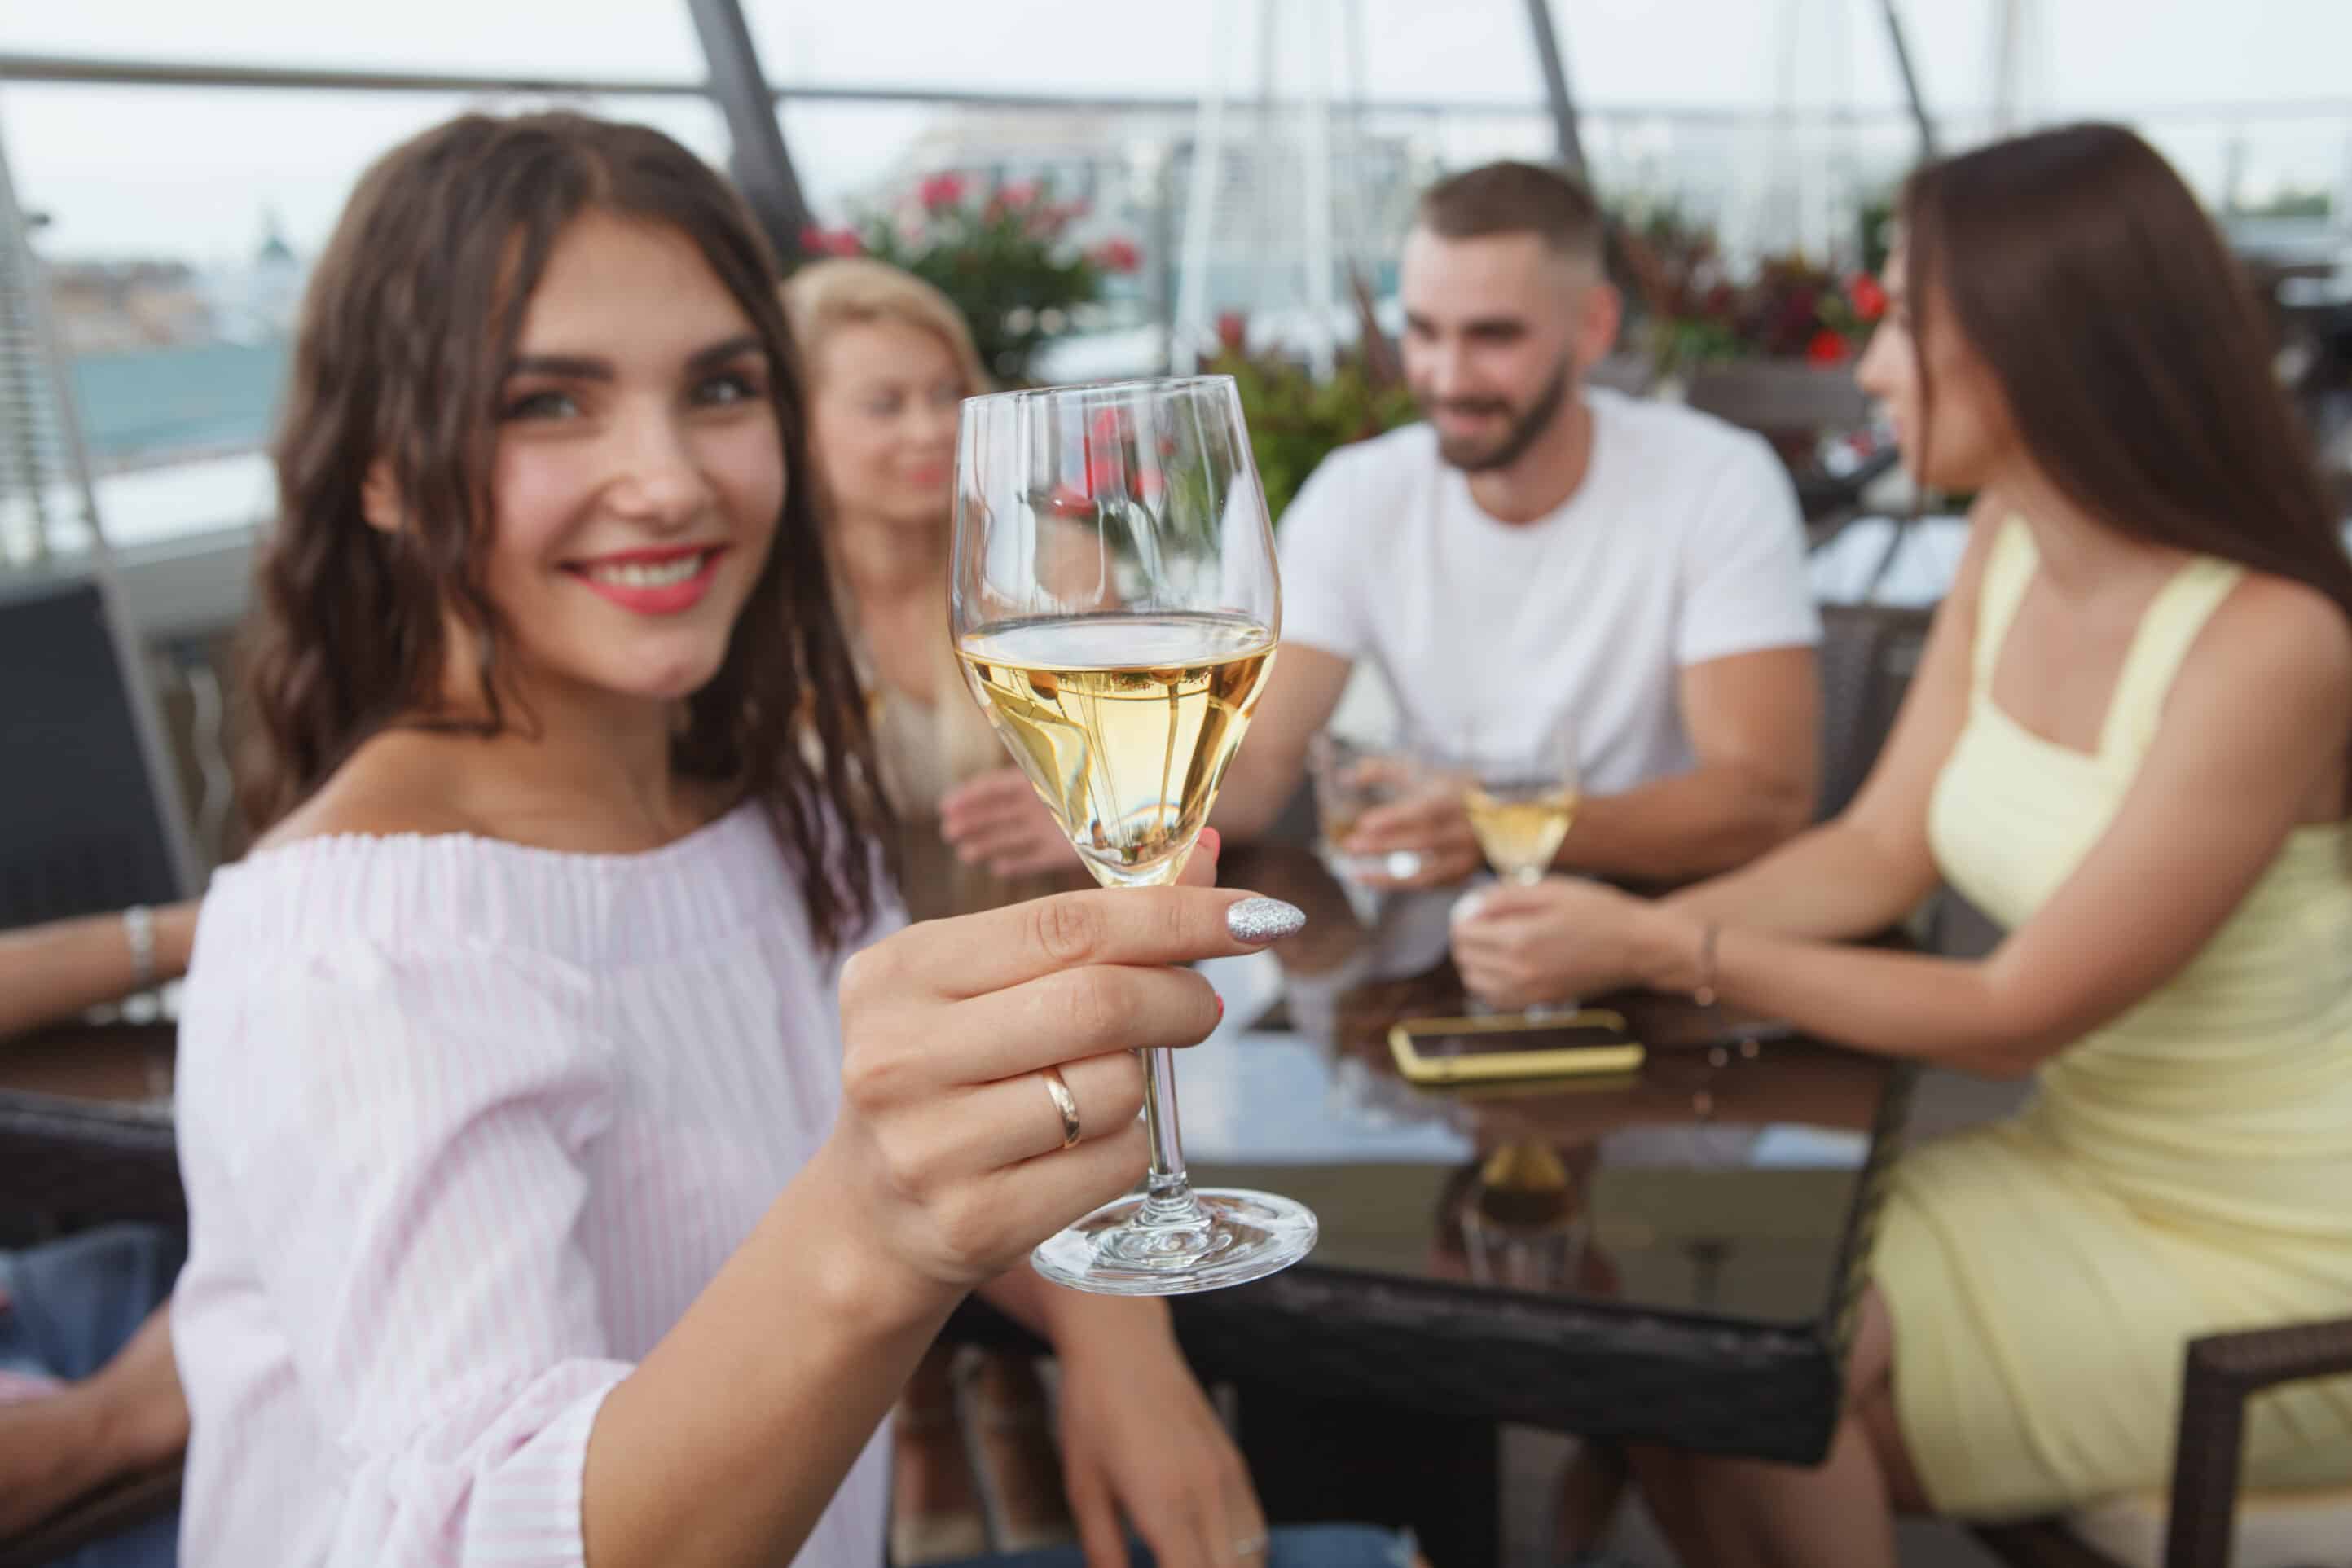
x,y
395,784
2286,634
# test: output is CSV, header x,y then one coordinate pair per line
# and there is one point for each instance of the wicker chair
x,y
1868,656
2207,1523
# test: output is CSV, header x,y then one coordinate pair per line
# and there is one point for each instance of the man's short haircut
x,y
1510,198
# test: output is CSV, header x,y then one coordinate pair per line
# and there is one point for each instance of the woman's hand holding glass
x,y
1543,942
948,1158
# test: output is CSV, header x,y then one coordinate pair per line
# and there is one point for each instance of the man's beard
x,y
1525,428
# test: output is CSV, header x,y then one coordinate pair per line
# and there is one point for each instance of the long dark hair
x,y
2133,355
412,315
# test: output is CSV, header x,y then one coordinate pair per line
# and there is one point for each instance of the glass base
x,y
1233,1236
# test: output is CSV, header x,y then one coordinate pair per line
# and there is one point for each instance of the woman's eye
x,y
728,387
884,406
541,405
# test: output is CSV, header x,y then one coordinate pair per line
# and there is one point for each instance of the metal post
x,y
1555,75
1192,332
762,169
1910,81
1315,152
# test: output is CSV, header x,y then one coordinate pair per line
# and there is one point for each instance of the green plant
x,y
1295,419
1007,261
1691,311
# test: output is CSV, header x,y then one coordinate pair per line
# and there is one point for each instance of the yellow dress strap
x,y
2173,618
2009,571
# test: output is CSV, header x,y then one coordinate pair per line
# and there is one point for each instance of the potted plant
x,y
1006,258
1296,419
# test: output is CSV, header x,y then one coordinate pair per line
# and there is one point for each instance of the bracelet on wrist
x,y
1704,992
139,930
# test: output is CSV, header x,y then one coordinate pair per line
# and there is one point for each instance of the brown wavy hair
x,y
411,317
2132,353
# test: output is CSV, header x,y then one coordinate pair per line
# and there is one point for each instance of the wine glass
x,y
1351,777
1520,792
1519,788
1116,610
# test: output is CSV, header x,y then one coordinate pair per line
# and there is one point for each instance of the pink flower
x,y
1116,255
1047,220
1825,348
1018,194
940,191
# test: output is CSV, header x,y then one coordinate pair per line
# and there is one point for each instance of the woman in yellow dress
x,y
2128,742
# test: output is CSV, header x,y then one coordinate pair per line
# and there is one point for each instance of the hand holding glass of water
x,y
1115,609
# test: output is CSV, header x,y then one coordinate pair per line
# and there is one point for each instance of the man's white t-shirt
x,y
1683,545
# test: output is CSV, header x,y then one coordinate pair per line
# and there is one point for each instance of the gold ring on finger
x,y
1066,1103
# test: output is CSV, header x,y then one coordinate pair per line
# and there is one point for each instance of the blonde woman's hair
x,y
921,754
851,290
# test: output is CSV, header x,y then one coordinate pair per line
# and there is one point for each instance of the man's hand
x,y
58,1447
1431,824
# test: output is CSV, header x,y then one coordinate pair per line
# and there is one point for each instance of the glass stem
x,y
1168,1197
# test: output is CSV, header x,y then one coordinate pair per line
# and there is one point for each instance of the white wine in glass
x,y
1116,610
1125,723
1519,791
1519,824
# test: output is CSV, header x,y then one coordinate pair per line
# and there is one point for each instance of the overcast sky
x,y
183,172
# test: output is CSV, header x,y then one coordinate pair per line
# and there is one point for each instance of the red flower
x,y
940,191
1018,194
1233,331
1868,296
1116,255
1826,348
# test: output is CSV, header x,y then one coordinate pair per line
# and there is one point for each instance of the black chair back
x,y
89,816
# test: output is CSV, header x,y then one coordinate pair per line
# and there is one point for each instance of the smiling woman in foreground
x,y
532,1222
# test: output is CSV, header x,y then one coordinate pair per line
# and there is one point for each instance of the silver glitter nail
x,y
1258,921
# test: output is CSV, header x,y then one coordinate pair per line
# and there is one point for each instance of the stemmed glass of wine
x,y
1115,609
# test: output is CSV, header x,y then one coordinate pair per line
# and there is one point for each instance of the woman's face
x,y
639,470
1958,438
882,423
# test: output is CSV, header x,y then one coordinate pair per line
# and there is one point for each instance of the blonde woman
x,y
889,359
